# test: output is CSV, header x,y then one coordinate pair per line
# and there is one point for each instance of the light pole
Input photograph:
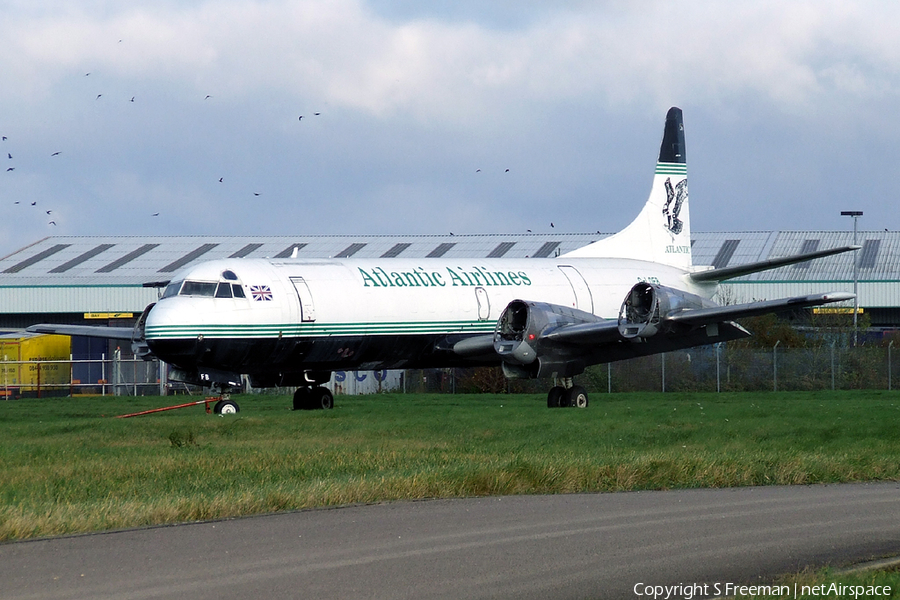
x,y
856,214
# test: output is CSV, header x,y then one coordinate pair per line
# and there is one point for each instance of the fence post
x,y
775,365
832,366
889,364
117,372
718,381
609,378
663,355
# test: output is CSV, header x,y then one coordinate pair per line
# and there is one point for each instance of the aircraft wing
x,y
543,340
115,333
608,331
773,263
715,314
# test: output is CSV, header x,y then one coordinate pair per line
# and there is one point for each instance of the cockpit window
x,y
238,290
224,290
229,275
198,288
172,289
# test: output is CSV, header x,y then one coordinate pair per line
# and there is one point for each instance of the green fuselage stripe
x,y
314,329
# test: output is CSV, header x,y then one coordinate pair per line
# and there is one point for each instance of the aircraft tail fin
x,y
661,232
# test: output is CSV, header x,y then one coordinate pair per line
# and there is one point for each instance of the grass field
x,y
67,466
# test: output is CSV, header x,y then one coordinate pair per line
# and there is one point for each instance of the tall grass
x,y
66,466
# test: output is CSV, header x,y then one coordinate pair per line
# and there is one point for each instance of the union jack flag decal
x,y
261,293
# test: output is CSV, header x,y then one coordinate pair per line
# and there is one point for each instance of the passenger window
x,y
224,290
238,290
198,288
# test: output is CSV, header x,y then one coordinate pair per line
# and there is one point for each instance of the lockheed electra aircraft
x,y
292,322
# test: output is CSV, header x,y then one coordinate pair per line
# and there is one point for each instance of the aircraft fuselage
x,y
370,314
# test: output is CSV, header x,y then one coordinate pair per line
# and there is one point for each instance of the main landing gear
x,y
313,398
567,394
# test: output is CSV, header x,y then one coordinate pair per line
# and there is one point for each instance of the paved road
x,y
568,546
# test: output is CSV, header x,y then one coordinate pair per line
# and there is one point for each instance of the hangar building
x,y
104,279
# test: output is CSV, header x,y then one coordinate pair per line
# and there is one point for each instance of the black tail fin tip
x,y
672,148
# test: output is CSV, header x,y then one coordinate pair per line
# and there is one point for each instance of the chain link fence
x,y
114,376
703,369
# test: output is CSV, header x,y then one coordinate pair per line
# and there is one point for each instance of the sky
x,y
183,117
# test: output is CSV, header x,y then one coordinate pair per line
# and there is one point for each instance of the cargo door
x,y
307,308
583,299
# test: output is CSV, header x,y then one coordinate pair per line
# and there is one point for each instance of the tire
x,y
577,396
301,399
321,398
226,407
555,397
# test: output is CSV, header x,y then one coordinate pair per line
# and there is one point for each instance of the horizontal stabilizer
x,y
114,333
765,265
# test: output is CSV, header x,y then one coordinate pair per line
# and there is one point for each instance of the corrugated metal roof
x,y
133,260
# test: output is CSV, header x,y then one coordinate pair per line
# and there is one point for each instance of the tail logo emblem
x,y
675,197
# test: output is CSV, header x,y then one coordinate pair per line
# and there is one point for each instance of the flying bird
x,y
132,98
86,74
256,193
56,154
52,223
49,211
155,215
4,138
10,169
34,203
317,114
552,225
207,97
507,171
98,96
301,118
9,155
220,179
478,170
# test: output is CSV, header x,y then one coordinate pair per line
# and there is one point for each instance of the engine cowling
x,y
518,339
646,306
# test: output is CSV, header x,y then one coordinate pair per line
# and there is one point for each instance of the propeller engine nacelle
x,y
518,339
646,306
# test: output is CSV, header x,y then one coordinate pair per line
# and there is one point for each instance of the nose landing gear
x,y
224,404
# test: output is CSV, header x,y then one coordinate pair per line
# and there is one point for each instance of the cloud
x,y
415,97
344,53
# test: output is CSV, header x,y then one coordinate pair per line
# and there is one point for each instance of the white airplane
x,y
292,322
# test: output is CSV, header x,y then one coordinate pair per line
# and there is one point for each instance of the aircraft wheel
x,y
226,407
301,399
321,397
555,396
577,397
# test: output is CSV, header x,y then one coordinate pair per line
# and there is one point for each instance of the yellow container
x,y
25,360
